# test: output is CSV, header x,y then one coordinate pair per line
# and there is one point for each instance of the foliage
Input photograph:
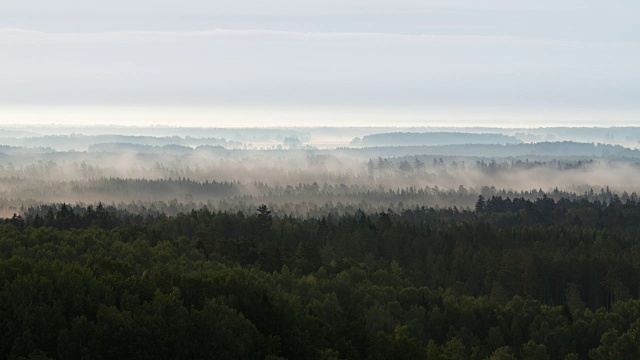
x,y
540,279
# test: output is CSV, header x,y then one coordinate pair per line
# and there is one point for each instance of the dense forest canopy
x,y
512,277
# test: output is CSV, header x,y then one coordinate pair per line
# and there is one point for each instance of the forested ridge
x,y
511,278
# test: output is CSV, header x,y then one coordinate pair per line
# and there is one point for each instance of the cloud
x,y
567,19
28,36
25,36
256,68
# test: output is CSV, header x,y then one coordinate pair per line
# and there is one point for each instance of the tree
x,y
418,165
533,351
503,353
454,349
405,167
480,204
263,220
371,167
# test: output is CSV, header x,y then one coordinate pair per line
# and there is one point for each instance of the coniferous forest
x,y
509,278
261,244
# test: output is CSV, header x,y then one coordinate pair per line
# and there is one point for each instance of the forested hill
x,y
539,279
553,149
433,138
79,142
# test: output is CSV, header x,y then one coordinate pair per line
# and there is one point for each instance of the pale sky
x,y
291,62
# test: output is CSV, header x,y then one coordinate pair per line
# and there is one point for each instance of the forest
x,y
510,278
319,243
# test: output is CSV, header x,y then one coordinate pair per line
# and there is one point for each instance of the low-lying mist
x,y
298,171
295,181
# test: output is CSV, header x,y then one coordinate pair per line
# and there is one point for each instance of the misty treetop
x,y
305,179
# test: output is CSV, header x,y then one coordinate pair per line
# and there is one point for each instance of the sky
x,y
309,63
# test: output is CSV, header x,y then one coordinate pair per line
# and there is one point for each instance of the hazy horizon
x,y
320,117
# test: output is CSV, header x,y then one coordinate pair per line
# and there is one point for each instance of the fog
x,y
308,171
281,167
